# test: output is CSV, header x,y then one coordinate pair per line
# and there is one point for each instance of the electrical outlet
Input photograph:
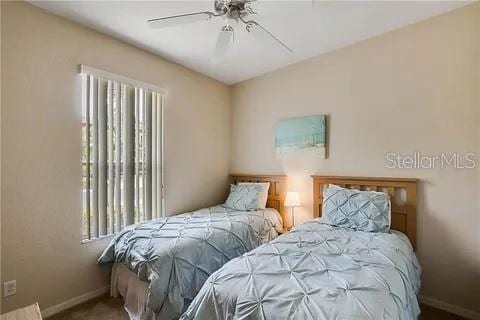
x,y
9,288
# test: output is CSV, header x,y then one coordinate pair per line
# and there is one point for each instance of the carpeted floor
x,y
106,308
429,313
102,308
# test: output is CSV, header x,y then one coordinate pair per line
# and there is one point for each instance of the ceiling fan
x,y
230,10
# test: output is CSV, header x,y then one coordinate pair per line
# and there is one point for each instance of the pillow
x,y
243,197
262,201
358,210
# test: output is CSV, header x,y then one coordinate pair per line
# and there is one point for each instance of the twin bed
x,y
219,263
160,266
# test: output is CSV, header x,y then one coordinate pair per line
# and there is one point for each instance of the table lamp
x,y
292,200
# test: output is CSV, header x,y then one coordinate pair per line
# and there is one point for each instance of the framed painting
x,y
301,136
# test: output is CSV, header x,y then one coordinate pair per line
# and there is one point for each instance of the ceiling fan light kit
x,y
224,40
236,10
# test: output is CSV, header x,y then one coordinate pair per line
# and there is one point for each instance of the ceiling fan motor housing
x,y
233,9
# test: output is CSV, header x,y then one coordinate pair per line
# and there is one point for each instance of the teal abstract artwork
x,y
301,136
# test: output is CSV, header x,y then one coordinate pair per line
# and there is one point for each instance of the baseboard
x,y
459,311
50,311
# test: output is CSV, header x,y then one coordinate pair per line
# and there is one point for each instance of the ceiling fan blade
x,y
263,35
180,19
224,42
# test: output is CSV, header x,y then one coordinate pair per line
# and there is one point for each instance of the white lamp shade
x,y
292,199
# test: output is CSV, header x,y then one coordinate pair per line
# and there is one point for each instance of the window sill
x,y
87,241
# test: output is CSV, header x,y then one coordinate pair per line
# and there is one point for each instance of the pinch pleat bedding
x,y
316,271
176,255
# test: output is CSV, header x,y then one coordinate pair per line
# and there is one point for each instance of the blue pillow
x,y
358,210
244,197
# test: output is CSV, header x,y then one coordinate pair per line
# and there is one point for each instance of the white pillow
x,y
263,197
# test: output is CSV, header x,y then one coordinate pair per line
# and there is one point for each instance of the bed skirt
x,y
125,283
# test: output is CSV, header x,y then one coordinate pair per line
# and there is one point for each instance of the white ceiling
x,y
308,27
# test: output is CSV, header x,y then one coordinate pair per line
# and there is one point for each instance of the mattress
x,y
316,272
175,255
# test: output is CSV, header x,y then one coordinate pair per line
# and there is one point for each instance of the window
x,y
122,152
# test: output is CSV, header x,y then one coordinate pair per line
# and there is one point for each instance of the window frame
x,y
84,71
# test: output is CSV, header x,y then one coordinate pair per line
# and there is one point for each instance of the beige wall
x,y
41,147
414,89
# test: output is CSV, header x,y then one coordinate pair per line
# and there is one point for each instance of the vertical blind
x,y
122,158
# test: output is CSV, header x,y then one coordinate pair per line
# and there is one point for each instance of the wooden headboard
x,y
276,192
402,191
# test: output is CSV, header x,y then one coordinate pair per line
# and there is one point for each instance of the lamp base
x,y
293,219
